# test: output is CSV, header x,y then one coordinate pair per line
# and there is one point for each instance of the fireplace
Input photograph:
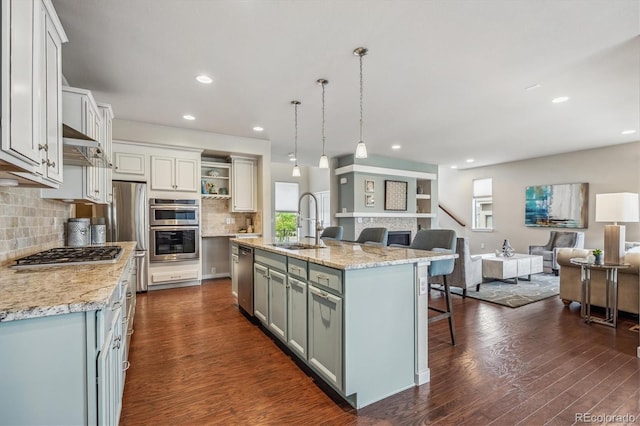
x,y
399,237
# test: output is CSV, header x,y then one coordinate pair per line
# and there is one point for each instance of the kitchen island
x,y
355,314
63,330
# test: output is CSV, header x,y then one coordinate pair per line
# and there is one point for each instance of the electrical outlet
x,y
423,286
359,220
343,180
213,269
371,219
481,245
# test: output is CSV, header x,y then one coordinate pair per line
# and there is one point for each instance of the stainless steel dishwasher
x,y
245,279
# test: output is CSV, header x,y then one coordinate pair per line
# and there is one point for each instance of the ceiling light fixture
x,y
395,147
296,168
533,87
560,99
628,132
361,149
324,161
454,167
188,117
204,79
258,129
470,160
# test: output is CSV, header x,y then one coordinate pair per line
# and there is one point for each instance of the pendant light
x,y
324,161
361,149
296,168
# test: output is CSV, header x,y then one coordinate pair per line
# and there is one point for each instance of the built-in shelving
x,y
215,178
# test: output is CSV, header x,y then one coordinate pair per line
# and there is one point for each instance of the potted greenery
x,y
597,253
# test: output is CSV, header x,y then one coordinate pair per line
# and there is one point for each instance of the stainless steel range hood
x,y
81,150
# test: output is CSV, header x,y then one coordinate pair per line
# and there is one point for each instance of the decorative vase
x,y
599,258
507,250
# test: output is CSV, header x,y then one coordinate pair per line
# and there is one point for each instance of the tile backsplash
x,y
29,224
215,215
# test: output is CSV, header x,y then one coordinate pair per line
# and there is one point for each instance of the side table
x,y
611,288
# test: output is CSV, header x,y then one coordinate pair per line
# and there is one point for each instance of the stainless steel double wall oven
x,y
175,231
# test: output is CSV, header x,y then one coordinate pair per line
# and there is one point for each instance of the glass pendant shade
x,y
361,149
324,162
296,171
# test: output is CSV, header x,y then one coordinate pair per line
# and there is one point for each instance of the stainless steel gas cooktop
x,y
71,256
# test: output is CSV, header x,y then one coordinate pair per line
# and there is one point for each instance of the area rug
x,y
541,286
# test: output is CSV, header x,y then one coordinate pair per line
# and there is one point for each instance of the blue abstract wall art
x,y
560,206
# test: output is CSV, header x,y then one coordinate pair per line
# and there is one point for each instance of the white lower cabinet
x,y
234,274
325,334
297,316
261,293
110,373
277,318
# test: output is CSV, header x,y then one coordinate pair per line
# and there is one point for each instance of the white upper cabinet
x,y
174,174
31,87
244,184
105,173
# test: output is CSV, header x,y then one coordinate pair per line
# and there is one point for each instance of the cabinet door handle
x,y
324,295
126,365
323,277
130,332
115,306
53,164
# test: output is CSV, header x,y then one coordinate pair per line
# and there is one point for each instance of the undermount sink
x,y
296,246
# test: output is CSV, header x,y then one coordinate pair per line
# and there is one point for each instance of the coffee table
x,y
513,267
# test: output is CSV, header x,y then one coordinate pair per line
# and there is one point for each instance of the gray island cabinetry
x,y
63,331
355,314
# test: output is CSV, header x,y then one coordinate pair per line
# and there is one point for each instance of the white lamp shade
x,y
617,207
296,171
361,150
324,162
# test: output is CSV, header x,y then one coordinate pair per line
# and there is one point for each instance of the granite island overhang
x,y
365,312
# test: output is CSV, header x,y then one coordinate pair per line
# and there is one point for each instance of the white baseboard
x,y
220,275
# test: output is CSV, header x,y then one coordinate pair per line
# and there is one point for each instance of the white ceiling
x,y
445,79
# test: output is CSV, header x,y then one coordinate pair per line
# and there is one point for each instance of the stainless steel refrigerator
x,y
127,220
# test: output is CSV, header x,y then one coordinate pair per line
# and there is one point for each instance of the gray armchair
x,y
467,271
557,240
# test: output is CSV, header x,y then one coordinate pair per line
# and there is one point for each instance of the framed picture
x,y
369,201
369,185
559,206
395,195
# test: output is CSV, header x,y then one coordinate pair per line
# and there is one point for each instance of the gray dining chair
x,y
439,240
332,233
378,236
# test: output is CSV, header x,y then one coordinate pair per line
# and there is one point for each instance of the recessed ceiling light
x,y
292,159
535,86
291,156
560,99
470,160
395,147
204,79
628,132
188,117
258,129
454,167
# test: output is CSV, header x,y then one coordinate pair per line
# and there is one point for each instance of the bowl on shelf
x,y
223,191
214,173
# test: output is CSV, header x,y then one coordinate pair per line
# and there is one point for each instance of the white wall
x,y
612,169
135,131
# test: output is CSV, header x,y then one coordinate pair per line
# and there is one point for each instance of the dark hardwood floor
x,y
196,360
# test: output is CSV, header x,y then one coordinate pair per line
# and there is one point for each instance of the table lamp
x,y
616,207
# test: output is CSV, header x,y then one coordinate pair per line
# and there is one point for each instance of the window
x,y
482,204
286,204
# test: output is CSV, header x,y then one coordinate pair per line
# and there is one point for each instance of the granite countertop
x,y
55,290
348,255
